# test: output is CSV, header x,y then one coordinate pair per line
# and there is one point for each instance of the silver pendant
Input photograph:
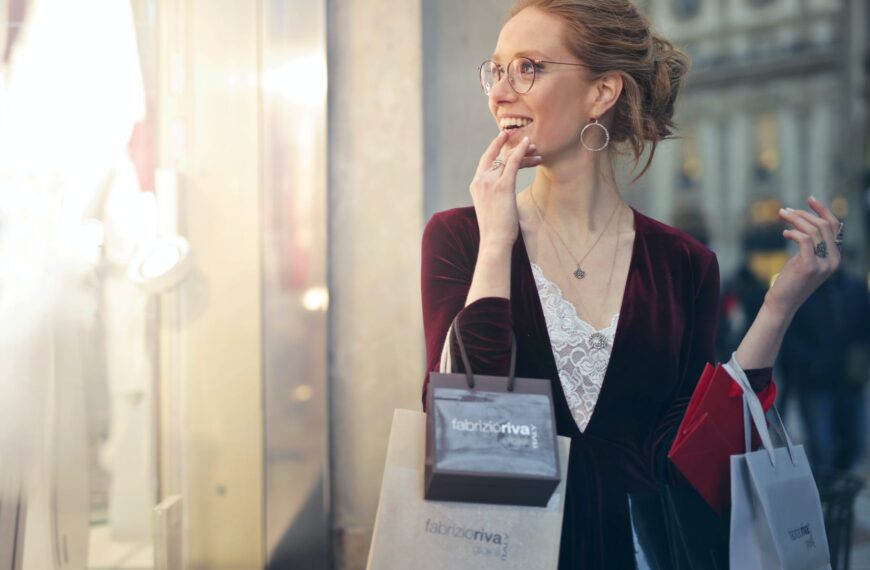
x,y
579,274
597,341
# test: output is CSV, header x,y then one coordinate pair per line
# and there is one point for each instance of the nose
x,y
501,91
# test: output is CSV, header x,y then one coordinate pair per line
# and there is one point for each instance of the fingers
x,y
804,242
824,213
821,227
516,157
531,158
530,161
491,152
527,158
801,222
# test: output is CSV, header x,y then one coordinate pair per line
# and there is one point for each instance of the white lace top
x,y
580,363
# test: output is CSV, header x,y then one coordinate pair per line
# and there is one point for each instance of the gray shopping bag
x,y
411,532
776,514
489,439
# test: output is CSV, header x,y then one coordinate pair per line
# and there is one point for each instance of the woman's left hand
x,y
807,269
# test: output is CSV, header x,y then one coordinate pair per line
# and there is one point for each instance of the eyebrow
x,y
531,54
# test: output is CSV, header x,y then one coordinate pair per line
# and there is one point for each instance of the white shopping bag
x,y
776,514
411,532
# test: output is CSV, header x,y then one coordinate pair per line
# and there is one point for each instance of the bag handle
x,y
752,408
454,327
781,426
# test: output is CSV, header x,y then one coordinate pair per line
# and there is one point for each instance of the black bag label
x,y
500,432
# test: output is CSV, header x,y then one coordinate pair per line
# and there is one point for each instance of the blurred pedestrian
x,y
824,354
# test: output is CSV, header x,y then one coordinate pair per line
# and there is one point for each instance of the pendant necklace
x,y
596,340
578,273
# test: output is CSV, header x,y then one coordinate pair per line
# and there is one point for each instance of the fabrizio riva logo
x,y
497,428
483,541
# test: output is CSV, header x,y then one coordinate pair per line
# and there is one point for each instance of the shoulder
x,y
451,238
454,218
675,247
457,226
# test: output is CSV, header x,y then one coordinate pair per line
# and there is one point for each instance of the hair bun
x,y
670,66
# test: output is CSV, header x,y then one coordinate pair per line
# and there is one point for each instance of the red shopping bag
x,y
711,432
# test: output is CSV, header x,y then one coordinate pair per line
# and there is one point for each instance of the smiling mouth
x,y
513,124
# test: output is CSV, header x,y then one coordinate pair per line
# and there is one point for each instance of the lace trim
x,y
580,362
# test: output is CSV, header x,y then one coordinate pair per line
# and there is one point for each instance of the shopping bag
x,y
776,514
708,435
675,528
490,439
411,532
699,536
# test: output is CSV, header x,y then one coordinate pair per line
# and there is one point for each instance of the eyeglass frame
x,y
535,63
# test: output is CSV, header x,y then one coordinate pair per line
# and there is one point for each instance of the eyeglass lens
x,y
521,75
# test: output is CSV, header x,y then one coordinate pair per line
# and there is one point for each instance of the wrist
x,y
496,247
777,310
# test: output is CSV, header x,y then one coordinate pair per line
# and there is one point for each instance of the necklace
x,y
596,340
578,273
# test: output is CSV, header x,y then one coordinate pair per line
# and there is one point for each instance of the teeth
x,y
514,122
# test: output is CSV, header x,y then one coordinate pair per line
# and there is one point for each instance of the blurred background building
x,y
210,219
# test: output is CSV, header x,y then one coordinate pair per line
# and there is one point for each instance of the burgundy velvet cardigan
x,y
664,337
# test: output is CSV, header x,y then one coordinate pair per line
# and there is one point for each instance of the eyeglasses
x,y
521,73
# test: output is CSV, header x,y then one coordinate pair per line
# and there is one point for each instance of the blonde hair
x,y
611,35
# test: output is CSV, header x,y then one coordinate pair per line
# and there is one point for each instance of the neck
x,y
577,195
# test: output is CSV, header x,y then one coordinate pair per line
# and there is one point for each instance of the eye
x,y
527,67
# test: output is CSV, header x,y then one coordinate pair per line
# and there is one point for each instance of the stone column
x,y
376,222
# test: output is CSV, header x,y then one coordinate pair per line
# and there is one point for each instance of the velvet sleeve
x,y
701,326
449,255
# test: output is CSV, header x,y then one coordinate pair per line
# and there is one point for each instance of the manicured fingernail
x,y
813,198
789,210
525,139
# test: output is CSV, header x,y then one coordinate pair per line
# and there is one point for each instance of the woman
x,y
618,309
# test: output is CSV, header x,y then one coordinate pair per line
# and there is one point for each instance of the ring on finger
x,y
496,164
821,249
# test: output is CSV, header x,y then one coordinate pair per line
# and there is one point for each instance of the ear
x,y
604,93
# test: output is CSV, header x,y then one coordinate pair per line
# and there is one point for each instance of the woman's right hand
x,y
493,191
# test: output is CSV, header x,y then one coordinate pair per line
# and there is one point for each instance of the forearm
x,y
760,346
486,324
492,273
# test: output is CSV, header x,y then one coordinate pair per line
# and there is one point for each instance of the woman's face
x,y
557,104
